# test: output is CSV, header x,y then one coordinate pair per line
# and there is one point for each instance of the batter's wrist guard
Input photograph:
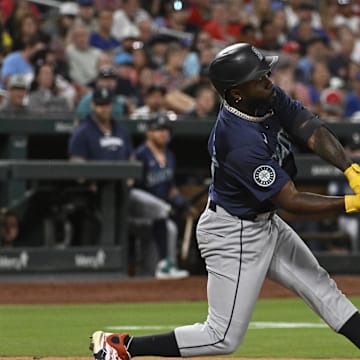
x,y
352,203
352,173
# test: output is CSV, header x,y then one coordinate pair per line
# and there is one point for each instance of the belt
x,y
264,216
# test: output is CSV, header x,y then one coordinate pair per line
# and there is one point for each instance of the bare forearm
x,y
323,143
309,203
298,202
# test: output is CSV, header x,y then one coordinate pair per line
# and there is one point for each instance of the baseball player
x,y
239,234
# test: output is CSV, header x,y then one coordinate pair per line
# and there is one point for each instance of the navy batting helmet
x,y
237,64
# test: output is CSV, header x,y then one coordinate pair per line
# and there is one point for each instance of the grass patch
x,y
63,330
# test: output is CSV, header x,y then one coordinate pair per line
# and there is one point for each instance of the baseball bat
x,y
185,246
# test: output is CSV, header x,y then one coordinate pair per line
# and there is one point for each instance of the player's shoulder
x,y
142,150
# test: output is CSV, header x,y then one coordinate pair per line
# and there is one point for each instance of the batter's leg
x,y
294,266
237,255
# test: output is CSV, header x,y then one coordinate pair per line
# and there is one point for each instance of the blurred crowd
x,y
53,56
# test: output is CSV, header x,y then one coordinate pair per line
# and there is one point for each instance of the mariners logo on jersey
x,y
264,175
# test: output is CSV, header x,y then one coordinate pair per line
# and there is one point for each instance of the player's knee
x,y
228,346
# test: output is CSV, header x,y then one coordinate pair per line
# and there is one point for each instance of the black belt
x,y
212,207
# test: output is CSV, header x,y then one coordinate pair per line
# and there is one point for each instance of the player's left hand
x,y
352,173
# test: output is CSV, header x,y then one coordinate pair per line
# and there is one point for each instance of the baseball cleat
x,y
108,346
166,270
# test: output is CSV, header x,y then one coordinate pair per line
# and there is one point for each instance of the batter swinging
x,y
239,234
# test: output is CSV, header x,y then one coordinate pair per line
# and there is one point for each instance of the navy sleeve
x,y
78,144
128,143
258,172
298,121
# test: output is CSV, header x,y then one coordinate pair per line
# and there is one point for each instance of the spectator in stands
x,y
60,67
219,26
331,105
316,50
25,27
9,229
86,14
173,78
206,103
102,37
352,99
194,59
82,58
290,53
107,78
320,80
18,62
45,96
300,9
304,33
258,11
158,179
248,34
176,22
346,16
6,41
154,103
200,12
269,36
17,91
339,62
16,10
280,23
284,75
126,19
125,68
59,28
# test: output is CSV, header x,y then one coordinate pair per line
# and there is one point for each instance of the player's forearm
x,y
294,201
323,143
310,203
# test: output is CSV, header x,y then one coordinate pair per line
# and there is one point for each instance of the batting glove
x,y
353,175
352,203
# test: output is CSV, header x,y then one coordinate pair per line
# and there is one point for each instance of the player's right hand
x,y
352,203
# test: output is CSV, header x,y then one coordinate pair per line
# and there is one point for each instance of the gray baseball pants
x,y
239,254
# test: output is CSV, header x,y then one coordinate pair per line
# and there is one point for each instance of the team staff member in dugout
x,y
239,234
100,137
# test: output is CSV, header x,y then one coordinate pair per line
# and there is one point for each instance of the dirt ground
x,y
133,290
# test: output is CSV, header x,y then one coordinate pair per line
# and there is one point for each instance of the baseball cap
x,y
102,96
107,72
69,8
17,82
124,58
332,100
291,47
159,121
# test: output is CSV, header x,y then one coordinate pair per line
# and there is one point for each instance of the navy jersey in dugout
x,y
90,143
157,179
